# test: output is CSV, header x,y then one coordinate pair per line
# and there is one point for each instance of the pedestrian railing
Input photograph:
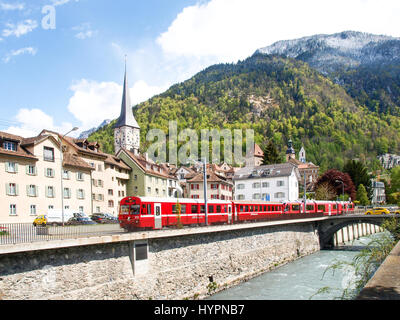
x,y
13,233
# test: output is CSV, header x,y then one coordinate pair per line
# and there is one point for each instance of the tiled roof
x,y
266,171
147,166
20,152
212,176
73,160
117,162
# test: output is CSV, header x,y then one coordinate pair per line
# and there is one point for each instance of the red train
x,y
156,213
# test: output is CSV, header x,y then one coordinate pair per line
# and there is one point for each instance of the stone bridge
x,y
328,227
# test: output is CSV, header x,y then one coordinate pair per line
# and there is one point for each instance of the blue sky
x,y
72,75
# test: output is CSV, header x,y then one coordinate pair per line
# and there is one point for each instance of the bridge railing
x,y
13,233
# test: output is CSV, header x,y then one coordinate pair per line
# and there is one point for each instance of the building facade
x,y
278,182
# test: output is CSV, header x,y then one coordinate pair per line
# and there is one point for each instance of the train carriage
x,y
156,213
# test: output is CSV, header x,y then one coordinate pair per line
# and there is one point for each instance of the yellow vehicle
x,y
40,221
378,211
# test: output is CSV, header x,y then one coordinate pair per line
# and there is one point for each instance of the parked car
x,y
80,220
104,218
40,221
377,211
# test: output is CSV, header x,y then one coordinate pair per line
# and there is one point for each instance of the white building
x,y
278,182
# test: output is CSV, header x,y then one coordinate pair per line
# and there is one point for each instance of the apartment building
x,y
278,182
31,171
109,175
148,179
218,185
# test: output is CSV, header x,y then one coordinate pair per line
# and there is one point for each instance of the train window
x,y
295,207
183,208
218,209
310,207
144,211
211,209
265,208
241,208
321,207
202,208
124,209
149,209
135,209
194,208
251,208
247,209
334,207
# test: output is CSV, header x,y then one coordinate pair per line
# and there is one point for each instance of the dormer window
x,y
10,145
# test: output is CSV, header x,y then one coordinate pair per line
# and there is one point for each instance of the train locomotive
x,y
147,213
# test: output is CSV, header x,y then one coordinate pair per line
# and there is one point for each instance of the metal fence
x,y
13,233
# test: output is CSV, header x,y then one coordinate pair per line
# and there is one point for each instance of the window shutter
x,y
37,191
16,167
8,189
16,190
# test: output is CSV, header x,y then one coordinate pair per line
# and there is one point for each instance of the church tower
x,y
290,153
126,129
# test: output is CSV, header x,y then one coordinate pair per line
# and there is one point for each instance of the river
x,y
301,279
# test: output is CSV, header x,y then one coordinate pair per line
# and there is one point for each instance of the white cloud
x,y
14,53
229,30
92,102
19,29
85,31
11,6
33,121
61,2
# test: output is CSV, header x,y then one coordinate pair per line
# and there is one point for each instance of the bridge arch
x,y
327,228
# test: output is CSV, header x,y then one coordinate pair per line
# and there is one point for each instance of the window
x,y
194,209
9,145
11,167
295,207
49,172
79,176
81,194
240,197
12,189
110,192
321,207
31,170
256,185
81,209
280,183
110,203
32,190
33,210
310,207
66,174
210,209
256,196
67,193
48,154
13,209
240,186
265,184
214,185
50,192
279,195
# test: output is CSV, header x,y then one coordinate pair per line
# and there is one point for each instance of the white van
x,y
55,216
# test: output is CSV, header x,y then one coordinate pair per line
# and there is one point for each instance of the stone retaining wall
x,y
188,266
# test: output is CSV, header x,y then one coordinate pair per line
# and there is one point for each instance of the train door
x,y
229,213
330,209
157,216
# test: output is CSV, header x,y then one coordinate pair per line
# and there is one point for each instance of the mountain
x,y
280,98
366,65
87,133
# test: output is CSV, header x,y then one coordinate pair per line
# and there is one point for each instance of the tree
x,y
359,175
271,155
325,192
362,196
333,178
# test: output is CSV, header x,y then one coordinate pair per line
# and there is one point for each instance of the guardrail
x,y
13,233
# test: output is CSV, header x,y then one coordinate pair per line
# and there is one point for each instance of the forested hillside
x,y
280,98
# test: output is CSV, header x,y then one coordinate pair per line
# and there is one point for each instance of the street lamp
x,y
342,188
62,173
204,163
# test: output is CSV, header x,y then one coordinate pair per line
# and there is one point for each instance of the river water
x,y
301,279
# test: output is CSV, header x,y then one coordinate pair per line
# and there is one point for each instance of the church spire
x,y
126,117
